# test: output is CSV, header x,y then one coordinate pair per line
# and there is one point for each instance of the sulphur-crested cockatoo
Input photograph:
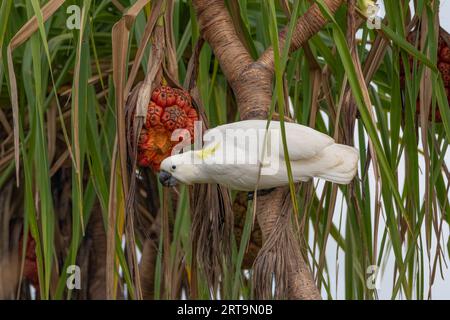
x,y
243,155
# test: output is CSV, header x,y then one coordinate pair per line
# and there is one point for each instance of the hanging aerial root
x,y
280,261
211,231
272,263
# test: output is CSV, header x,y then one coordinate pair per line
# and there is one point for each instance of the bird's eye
x,y
174,167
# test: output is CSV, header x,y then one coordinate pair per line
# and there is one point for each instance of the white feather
x,y
311,153
302,142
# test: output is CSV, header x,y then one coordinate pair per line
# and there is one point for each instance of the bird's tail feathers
x,y
343,163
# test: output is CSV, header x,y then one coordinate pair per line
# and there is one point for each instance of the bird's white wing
x,y
302,142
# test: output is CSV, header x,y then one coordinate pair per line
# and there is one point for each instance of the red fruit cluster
x,y
443,66
169,109
30,270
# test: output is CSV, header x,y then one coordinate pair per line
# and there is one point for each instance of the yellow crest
x,y
208,152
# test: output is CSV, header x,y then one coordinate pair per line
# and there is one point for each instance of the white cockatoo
x,y
244,155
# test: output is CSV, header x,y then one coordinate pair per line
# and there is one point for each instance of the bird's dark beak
x,y
167,179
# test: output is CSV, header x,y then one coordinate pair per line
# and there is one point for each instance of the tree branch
x,y
307,26
216,26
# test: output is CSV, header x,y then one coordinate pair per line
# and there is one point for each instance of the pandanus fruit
x,y
443,64
30,270
169,109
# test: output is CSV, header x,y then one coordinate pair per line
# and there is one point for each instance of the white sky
x,y
445,14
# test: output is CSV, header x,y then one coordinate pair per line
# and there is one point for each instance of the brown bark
x,y
251,82
307,26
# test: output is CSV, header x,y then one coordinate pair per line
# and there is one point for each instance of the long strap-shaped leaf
x,y
21,36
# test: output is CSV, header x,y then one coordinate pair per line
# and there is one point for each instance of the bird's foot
x,y
263,192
